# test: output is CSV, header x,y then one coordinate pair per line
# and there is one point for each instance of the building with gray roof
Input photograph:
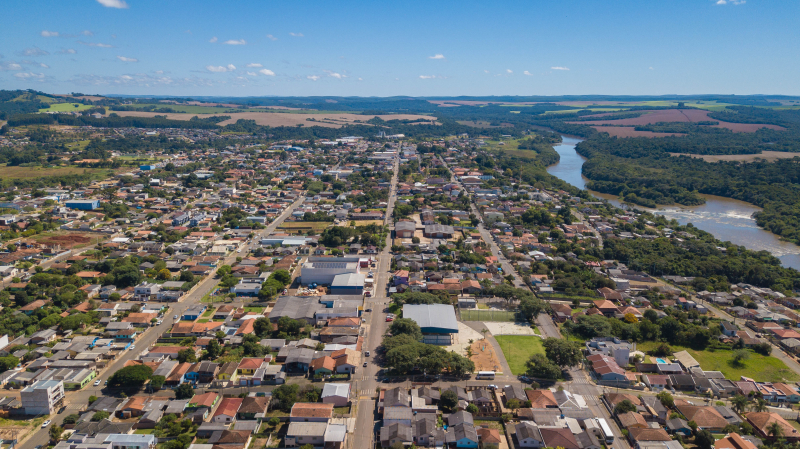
x,y
437,321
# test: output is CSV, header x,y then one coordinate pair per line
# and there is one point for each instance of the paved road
x,y
77,399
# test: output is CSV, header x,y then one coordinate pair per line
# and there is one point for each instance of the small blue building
x,y
147,167
83,204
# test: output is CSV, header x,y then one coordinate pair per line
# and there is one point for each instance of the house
x,y
309,412
640,436
706,417
401,415
226,412
337,394
302,433
253,407
733,441
463,435
528,435
762,421
632,419
559,437
396,433
541,399
323,366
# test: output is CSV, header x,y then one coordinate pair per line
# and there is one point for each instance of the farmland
x,y
628,131
19,172
330,120
765,155
66,107
679,115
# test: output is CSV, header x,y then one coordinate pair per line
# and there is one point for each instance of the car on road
x,y
368,294
285,292
389,318
105,383
132,347
46,423
492,387
365,364
174,317
97,382
370,274
38,447
363,320
366,354
368,310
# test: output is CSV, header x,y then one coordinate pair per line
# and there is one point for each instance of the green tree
x,y
740,403
666,399
262,326
8,362
774,430
101,415
740,356
71,419
704,439
564,353
285,396
540,366
131,378
624,406
213,350
184,391
448,401
55,432
472,408
156,382
224,270
406,326
187,355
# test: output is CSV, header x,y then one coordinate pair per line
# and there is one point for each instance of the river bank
x,y
725,218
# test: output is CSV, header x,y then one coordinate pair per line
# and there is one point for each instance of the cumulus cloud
x,y
271,37
96,44
253,65
67,51
231,67
335,75
159,72
559,68
436,56
140,79
267,72
87,33
46,33
509,71
213,39
731,2
119,4
30,76
251,73
427,77
651,68
216,68
34,51
313,77
10,66
361,79
124,59
527,73
235,42
296,34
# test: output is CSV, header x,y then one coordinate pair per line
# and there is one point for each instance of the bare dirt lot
x,y
287,119
680,115
628,131
766,155
65,240
484,357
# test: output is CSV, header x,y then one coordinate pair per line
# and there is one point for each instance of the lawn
x,y
208,312
487,315
18,172
203,320
757,367
66,107
254,309
517,349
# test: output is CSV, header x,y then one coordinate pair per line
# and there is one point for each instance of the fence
x,y
488,315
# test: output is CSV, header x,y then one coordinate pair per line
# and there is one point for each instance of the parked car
x,y
389,318
45,424
97,382
365,364
174,317
368,310
366,354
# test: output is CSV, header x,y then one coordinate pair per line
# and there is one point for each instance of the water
x,y
725,218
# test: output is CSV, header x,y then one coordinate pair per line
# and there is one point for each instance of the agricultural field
x,y
628,131
678,115
765,155
331,120
66,107
517,349
18,172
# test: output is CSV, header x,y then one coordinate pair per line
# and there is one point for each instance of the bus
x,y
609,435
487,375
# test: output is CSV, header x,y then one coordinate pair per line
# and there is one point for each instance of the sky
x,y
416,48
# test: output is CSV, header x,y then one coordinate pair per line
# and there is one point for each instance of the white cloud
x,y
96,44
509,71
559,68
267,72
527,73
124,59
30,75
436,56
216,68
46,33
427,77
651,68
126,77
361,79
271,37
254,65
313,77
34,51
732,2
338,76
213,39
119,4
159,72
485,71
296,34
235,42
43,65
67,51
231,67
251,73
87,33
10,66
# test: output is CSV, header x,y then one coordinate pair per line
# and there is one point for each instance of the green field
x,y
757,367
487,315
17,172
66,107
517,349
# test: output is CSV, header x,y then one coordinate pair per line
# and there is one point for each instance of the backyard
x,y
487,315
517,349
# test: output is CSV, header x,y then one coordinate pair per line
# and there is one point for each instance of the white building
x,y
43,397
322,270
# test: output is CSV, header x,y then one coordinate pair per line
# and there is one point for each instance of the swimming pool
x,y
661,361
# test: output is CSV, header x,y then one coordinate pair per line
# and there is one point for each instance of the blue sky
x,y
420,48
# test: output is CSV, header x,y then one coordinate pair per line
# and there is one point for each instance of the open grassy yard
x,y
757,367
17,172
487,315
517,349
66,107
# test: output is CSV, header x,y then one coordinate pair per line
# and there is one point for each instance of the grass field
x,y
368,222
17,172
254,309
757,367
208,312
66,107
517,349
487,315
302,226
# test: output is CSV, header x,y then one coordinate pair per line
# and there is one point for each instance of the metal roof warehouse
x,y
433,318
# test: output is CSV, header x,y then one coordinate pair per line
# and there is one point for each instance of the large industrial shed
x,y
348,284
437,321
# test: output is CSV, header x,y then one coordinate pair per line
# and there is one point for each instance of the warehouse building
x,y
437,322
348,284
83,204
322,270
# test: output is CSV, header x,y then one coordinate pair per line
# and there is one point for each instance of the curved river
x,y
725,218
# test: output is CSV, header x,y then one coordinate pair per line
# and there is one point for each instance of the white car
x,y
97,382
132,347
45,424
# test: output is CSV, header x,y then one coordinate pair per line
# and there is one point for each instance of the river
x,y
725,218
